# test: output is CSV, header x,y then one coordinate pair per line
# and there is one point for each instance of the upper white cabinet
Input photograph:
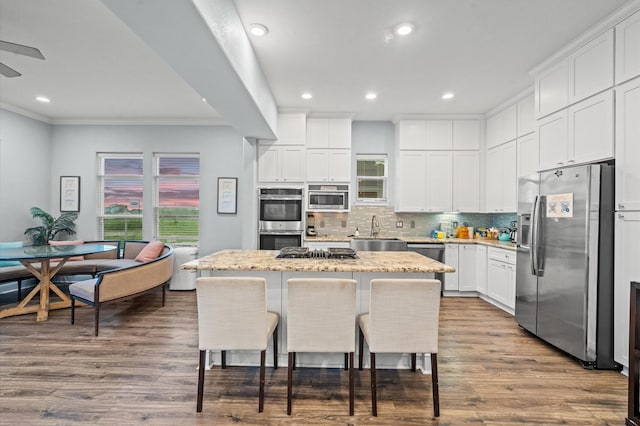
x,y
527,151
502,127
280,163
501,179
292,130
582,133
438,134
439,181
466,134
628,48
587,71
628,145
526,116
466,185
411,181
329,133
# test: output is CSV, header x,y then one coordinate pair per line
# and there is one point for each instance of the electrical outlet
x,y
399,224
344,223
413,223
455,224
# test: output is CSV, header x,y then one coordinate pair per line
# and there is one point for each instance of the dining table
x,y
51,259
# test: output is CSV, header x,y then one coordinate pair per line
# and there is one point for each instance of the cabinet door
x,y
509,123
481,268
292,167
628,145
591,68
317,133
498,281
317,165
339,165
340,133
439,181
466,134
268,163
439,134
552,140
527,154
493,183
411,182
494,130
551,93
626,269
467,265
451,259
292,129
466,181
509,178
591,129
412,134
526,116
628,48
511,286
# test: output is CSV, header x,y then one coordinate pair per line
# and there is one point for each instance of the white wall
x,y
374,137
25,172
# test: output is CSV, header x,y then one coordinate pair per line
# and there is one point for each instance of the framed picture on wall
x,y
69,193
227,195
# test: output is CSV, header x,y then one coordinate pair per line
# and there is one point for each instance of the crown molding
x,y
399,117
138,122
26,113
512,100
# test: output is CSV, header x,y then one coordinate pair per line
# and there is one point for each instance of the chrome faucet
x,y
375,226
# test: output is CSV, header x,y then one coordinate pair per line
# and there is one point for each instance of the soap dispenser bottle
x,y
357,233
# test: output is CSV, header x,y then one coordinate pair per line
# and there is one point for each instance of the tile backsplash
x,y
413,224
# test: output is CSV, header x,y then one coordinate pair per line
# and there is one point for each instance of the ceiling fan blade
x,y
8,71
19,49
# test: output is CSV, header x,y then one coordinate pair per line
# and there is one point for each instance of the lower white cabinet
x,y
501,277
481,268
626,269
467,267
451,259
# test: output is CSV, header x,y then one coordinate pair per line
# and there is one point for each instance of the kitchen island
x,y
368,266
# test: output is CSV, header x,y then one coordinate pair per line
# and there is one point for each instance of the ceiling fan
x,y
18,49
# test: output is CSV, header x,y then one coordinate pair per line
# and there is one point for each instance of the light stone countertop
x,y
508,245
368,261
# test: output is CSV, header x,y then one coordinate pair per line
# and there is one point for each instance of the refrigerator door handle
x,y
532,242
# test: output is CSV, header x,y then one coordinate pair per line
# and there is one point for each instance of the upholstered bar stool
x,y
321,317
232,315
403,318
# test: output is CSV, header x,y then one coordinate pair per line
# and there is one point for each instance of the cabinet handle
x,y
620,216
620,206
571,161
559,164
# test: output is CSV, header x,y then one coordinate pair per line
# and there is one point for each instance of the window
x,y
177,198
371,178
120,183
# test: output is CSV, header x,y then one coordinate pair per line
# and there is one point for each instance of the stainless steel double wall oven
x,y
280,218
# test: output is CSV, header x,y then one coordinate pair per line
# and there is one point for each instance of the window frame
x,y
385,180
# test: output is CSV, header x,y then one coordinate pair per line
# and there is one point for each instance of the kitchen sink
x,y
378,244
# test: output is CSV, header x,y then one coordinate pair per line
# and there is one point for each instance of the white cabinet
x,y
628,145
527,151
501,283
591,68
466,185
502,127
451,259
581,133
292,129
439,181
501,179
280,163
481,269
467,266
329,133
628,48
626,269
411,181
551,92
466,134
411,134
328,165
439,134
526,116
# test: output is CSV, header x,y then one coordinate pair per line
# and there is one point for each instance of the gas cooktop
x,y
305,253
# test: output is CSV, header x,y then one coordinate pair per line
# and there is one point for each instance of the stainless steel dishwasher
x,y
434,251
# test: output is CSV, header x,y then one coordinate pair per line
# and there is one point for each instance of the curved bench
x,y
129,279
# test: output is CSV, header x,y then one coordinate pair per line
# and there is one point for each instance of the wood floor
x,y
142,369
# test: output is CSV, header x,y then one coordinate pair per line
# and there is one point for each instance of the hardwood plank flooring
x,y
142,369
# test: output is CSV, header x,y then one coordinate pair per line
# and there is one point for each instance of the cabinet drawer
x,y
502,255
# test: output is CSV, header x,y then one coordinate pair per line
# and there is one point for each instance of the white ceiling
x,y
96,69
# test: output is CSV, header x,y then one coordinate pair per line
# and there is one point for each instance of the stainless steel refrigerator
x,y
564,276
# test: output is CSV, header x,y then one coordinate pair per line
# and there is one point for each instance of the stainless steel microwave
x,y
328,198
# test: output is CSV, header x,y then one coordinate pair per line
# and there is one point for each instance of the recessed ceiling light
x,y
43,99
306,95
404,29
448,96
204,99
371,96
258,30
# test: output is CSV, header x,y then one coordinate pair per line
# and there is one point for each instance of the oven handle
x,y
279,197
280,232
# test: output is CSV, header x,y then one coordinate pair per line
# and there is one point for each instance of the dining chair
x,y
321,317
232,315
403,317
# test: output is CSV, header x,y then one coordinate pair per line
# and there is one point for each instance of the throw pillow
x,y
150,251
67,243
10,244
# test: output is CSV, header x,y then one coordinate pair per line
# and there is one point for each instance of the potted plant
x,y
51,226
